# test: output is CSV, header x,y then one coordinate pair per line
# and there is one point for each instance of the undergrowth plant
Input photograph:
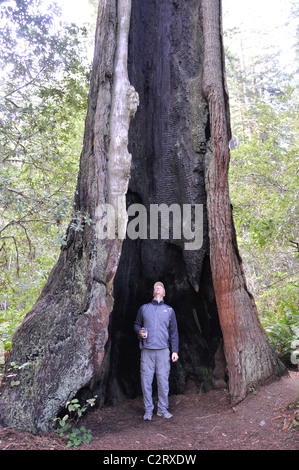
x,y
280,318
67,425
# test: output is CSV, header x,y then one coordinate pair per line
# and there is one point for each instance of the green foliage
x,y
13,383
75,436
78,437
280,318
13,373
44,82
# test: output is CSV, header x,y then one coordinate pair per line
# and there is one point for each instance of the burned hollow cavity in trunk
x,y
167,140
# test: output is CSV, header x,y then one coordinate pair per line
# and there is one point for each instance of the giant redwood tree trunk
x,y
78,339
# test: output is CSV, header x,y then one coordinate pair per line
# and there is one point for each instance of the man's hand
x,y
143,333
174,357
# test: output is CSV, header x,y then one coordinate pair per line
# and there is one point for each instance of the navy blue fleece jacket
x,y
160,321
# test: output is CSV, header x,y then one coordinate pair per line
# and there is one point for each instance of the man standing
x,y
156,327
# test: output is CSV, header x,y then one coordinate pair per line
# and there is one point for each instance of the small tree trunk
x,y
250,359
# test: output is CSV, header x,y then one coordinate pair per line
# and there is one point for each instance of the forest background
x,y
45,64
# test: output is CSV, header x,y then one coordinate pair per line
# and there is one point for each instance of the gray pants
x,y
155,361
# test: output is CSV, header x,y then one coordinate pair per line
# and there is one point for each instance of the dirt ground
x,y
268,419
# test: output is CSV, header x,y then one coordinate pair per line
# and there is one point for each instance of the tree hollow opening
x,y
167,140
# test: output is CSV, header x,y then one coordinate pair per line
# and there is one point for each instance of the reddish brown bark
x,y
250,359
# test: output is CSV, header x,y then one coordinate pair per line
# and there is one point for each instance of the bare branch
x,y
25,85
